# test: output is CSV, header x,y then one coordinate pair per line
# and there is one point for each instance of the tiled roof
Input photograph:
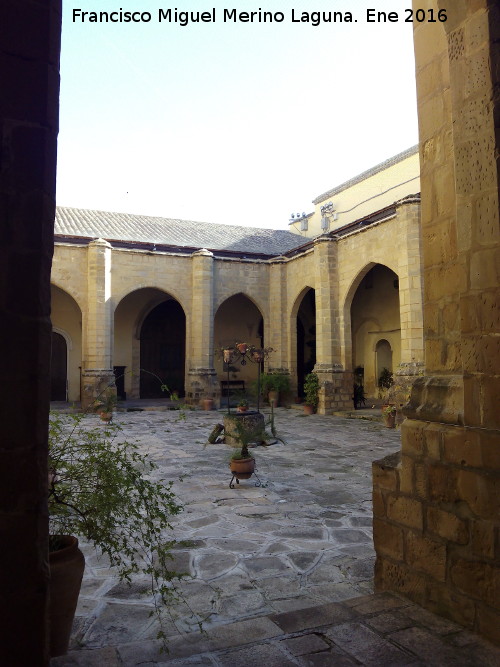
x,y
172,232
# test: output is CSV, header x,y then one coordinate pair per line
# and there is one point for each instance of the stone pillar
x,y
436,521
97,370
202,377
276,331
29,71
336,384
410,299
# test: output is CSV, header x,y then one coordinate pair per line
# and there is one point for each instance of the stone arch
x,y
67,289
371,313
222,299
172,292
238,318
66,316
130,315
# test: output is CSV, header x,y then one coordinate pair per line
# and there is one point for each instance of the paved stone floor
x,y
281,574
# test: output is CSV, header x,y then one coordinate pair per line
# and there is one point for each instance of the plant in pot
x,y
311,392
100,490
389,415
105,405
242,405
242,463
273,385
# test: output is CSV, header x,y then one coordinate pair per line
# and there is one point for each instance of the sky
x,y
230,122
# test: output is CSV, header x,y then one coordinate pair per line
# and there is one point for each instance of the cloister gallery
x,y
148,299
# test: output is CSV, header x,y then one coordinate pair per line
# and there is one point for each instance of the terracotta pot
x,y
228,356
390,420
308,409
273,398
242,408
258,356
208,403
242,348
106,416
242,468
66,572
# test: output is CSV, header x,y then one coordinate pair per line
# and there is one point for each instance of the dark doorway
x,y
306,339
58,368
163,350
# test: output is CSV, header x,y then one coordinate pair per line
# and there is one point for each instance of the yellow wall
x,y
66,319
372,194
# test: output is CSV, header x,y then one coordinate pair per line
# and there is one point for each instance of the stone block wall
x,y
435,521
437,508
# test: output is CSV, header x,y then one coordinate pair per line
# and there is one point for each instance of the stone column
x,y
336,384
410,298
29,71
97,370
202,377
436,521
276,329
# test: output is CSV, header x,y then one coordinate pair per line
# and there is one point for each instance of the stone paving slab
x,y
270,565
354,632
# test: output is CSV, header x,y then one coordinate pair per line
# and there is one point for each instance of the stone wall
x,y
436,509
29,71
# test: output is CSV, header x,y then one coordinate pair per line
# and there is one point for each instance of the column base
x,y
336,388
404,377
202,383
95,383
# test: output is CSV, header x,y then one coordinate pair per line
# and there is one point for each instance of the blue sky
x,y
234,123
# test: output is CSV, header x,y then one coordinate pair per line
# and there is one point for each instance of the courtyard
x,y
281,572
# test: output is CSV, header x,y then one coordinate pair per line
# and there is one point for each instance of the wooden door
x,y
163,350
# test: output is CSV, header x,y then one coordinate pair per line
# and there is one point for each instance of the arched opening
x,y
129,354
375,319
238,319
163,350
306,338
58,368
66,355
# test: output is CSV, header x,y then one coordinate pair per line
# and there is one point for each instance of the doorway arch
x,y
163,350
238,319
375,317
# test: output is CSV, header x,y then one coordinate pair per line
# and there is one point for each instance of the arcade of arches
x,y
326,308
436,524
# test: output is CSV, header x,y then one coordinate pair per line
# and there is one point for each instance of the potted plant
x,y
207,403
273,385
100,490
242,405
311,391
242,463
105,405
389,415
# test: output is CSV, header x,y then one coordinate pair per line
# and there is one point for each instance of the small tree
x,y
311,390
100,489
